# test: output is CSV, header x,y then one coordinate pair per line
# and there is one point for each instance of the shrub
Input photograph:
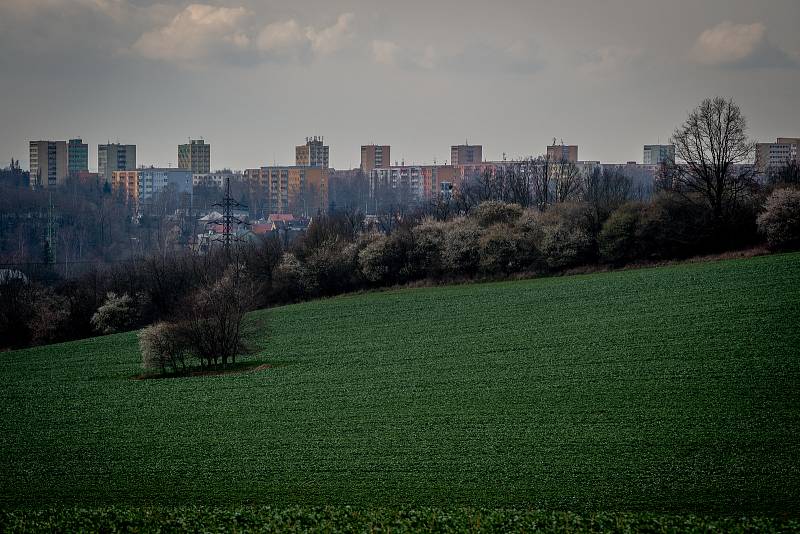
x,y
529,234
115,315
492,212
291,280
673,227
333,266
780,221
426,254
51,315
461,250
564,240
165,347
385,259
619,240
499,249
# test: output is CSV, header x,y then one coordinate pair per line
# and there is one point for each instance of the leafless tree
x,y
788,173
713,144
604,191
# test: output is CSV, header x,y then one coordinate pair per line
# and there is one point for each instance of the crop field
x,y
673,390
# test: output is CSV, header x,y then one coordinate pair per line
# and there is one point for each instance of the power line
x,y
228,219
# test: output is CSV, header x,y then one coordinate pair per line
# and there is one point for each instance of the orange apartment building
x,y
301,191
127,182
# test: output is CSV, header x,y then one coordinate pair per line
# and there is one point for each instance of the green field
x,y
668,390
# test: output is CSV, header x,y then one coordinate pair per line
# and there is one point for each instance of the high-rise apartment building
x,y
77,156
195,156
126,183
375,156
115,157
48,163
312,154
466,154
658,154
155,180
563,153
770,155
301,191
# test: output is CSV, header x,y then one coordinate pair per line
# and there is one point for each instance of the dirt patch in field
x,y
238,369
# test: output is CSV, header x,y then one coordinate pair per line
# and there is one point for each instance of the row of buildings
x,y
303,188
52,162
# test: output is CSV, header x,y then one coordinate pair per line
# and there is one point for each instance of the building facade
x,y
126,183
77,157
773,155
48,163
563,153
466,154
312,154
215,179
155,180
399,184
300,191
375,156
115,157
195,156
658,154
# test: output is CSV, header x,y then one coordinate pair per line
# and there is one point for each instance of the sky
x,y
255,78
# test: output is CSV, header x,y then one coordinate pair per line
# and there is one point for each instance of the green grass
x,y
348,519
672,390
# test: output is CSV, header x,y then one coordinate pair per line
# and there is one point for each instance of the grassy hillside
x,y
670,390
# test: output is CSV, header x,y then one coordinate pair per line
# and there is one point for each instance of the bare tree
x,y
788,173
604,191
713,143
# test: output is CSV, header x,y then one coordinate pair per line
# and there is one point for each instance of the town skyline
x,y
419,79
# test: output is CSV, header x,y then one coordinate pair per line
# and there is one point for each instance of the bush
x,y
165,347
51,317
384,260
116,314
673,227
619,240
333,266
461,250
493,212
564,240
429,238
529,233
780,221
499,249
291,280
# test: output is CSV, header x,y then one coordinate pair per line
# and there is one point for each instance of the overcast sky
x,y
254,78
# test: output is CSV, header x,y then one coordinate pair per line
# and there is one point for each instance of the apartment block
x,y
195,156
115,157
466,154
215,179
563,153
48,163
375,156
299,190
406,181
312,154
77,157
777,154
155,180
126,183
658,154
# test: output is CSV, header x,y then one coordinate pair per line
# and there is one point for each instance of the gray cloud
x,y
518,57
203,33
739,45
